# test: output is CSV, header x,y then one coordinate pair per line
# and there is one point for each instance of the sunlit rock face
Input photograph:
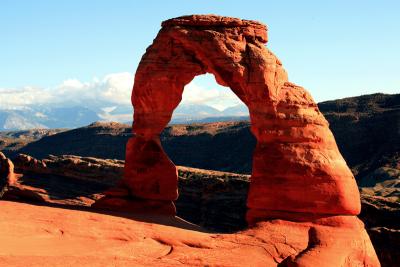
x,y
297,166
298,172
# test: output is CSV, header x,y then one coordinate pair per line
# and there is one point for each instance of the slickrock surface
x,y
44,236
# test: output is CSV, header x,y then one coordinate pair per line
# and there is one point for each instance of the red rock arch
x,y
297,168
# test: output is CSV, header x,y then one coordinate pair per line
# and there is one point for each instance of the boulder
x,y
7,175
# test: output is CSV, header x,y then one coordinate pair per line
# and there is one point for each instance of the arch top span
x,y
252,27
297,167
231,49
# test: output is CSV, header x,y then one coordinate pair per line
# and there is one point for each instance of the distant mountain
x,y
46,117
67,117
236,111
18,120
205,114
195,113
195,109
213,119
187,113
366,128
35,117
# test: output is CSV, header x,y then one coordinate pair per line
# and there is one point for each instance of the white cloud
x,y
196,94
117,88
215,96
112,90
22,97
71,83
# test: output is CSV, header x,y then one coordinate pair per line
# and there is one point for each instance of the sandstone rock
x,y
7,175
26,163
105,171
67,180
298,172
297,168
215,200
63,237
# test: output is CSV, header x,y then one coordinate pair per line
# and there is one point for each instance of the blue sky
x,y
333,48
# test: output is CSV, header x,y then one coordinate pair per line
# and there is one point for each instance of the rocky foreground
x,y
47,236
213,200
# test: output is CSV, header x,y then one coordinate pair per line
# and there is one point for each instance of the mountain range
x,y
50,117
46,117
366,128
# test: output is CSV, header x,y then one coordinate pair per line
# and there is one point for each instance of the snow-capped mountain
x,y
47,116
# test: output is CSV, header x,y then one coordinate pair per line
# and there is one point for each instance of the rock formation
x,y
7,175
104,171
297,168
298,173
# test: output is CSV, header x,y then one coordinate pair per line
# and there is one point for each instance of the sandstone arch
x,y
298,171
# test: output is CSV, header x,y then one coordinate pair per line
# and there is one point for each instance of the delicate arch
x,y
297,168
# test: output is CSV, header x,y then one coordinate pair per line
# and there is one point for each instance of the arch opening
x,y
209,129
209,140
203,99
